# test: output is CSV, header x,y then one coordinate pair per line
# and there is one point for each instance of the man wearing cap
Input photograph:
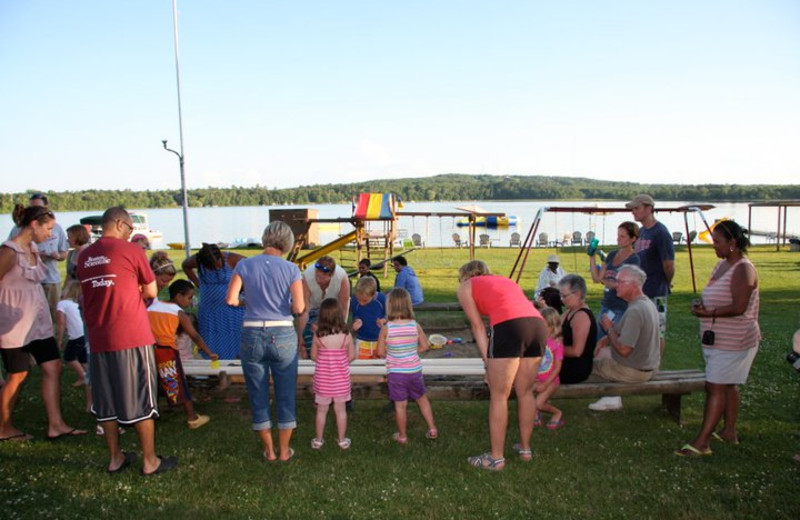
x,y
657,260
550,275
51,251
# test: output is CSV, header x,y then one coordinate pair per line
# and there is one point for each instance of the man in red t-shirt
x,y
115,278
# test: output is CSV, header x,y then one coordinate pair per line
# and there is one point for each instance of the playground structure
x,y
369,208
366,239
529,241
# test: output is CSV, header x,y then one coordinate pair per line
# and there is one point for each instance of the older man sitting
x,y
631,352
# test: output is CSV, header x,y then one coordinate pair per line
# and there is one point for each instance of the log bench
x,y
462,379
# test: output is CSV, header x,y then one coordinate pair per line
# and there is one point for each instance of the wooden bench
x,y
462,379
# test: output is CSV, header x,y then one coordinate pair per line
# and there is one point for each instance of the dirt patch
x,y
466,349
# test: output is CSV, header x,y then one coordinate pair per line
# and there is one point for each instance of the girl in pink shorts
x,y
332,350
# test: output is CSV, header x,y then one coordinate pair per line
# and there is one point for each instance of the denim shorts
x,y
266,350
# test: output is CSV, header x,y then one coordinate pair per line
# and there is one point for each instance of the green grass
x,y
615,465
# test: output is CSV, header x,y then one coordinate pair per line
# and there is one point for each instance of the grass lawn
x,y
613,465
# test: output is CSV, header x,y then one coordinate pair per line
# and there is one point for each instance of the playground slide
x,y
325,249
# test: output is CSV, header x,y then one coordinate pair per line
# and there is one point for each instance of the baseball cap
x,y
640,200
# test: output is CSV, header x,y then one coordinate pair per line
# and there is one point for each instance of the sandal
x,y
485,461
316,444
344,443
399,440
690,451
720,438
432,434
524,455
537,422
554,425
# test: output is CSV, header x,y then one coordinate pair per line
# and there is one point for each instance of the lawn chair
x,y
457,240
542,242
677,237
692,236
576,239
416,239
589,237
484,240
515,240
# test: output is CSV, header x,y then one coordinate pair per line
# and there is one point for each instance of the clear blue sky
x,y
286,93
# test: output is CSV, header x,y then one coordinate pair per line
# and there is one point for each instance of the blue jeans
x,y
265,350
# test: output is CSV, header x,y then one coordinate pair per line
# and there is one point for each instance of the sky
x,y
291,93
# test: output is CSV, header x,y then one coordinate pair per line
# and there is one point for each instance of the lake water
x,y
232,223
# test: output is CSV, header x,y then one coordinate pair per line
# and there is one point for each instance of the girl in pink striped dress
x,y
401,340
332,350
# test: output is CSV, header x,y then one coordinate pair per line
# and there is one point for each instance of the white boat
x,y
142,227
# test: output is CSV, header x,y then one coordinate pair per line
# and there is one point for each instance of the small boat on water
x,y
141,227
489,222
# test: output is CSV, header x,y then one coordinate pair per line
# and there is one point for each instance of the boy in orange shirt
x,y
165,320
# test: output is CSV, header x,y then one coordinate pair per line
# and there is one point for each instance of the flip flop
x,y
399,440
554,425
127,461
166,464
72,433
720,438
20,437
690,451
291,456
432,434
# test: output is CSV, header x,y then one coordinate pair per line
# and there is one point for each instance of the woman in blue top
x,y
274,291
627,233
219,324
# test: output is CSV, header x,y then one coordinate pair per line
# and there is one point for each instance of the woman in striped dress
x,y
401,341
332,350
729,333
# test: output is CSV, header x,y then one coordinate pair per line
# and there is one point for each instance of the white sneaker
x,y
607,404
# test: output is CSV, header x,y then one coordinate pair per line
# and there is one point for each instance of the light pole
x,y
185,202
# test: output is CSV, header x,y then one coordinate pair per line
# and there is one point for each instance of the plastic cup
x,y
215,364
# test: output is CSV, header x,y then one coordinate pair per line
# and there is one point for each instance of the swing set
x,y
528,243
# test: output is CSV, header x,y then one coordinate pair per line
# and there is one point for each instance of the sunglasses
x,y
323,268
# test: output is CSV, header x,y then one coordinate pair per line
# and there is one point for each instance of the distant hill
x,y
452,186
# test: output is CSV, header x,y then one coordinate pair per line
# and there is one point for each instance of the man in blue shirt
x,y
407,279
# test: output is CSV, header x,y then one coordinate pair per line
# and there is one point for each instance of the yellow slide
x,y
325,249
705,236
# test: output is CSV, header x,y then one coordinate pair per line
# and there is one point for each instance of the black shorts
x,y
520,337
76,351
124,385
18,360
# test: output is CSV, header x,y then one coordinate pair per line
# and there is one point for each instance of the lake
x,y
230,224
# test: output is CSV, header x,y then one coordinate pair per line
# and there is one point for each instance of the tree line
x,y
447,187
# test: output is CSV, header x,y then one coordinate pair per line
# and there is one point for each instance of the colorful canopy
x,y
375,206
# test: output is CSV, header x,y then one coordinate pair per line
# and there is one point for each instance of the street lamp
x,y
184,201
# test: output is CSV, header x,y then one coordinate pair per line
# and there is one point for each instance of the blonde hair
x,y
160,263
398,305
472,269
366,286
553,320
72,291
